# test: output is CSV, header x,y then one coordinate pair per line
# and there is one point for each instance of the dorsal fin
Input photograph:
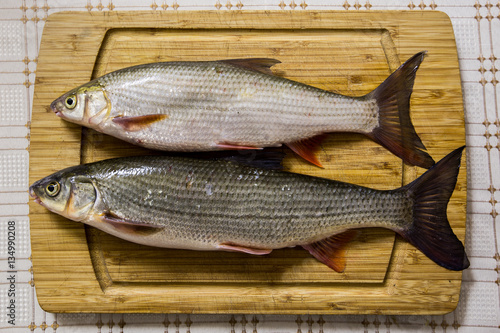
x,y
270,160
263,159
262,65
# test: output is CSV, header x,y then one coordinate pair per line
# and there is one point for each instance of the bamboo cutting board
x,y
80,269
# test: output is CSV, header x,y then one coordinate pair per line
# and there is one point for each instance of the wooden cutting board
x,y
81,269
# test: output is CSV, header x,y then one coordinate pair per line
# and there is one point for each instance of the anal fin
x,y
133,124
245,249
307,148
331,251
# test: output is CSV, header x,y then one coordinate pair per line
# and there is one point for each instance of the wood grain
x,y
82,269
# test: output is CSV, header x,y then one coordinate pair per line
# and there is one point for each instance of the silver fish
x,y
195,204
240,104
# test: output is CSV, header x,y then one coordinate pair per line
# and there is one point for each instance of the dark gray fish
x,y
195,204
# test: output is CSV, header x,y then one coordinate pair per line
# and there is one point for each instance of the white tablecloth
x,y
477,31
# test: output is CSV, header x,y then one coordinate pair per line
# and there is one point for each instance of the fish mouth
x,y
54,109
34,196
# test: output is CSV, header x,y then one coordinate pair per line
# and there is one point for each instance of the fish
x,y
221,204
240,104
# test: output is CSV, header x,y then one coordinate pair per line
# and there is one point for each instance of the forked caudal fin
x,y
430,231
395,131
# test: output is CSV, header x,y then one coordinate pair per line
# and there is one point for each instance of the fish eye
x,y
70,102
53,189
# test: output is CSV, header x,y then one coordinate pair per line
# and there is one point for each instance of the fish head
x,y
66,193
87,105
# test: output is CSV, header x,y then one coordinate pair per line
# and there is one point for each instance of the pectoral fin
x,y
239,248
331,251
129,226
133,124
226,145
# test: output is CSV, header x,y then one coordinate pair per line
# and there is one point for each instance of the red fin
x,y
262,65
138,123
306,148
129,226
224,145
331,251
395,131
244,249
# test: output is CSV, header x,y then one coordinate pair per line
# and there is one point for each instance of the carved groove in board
x,y
97,258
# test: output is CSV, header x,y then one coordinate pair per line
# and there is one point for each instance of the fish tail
x,y
430,230
395,130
